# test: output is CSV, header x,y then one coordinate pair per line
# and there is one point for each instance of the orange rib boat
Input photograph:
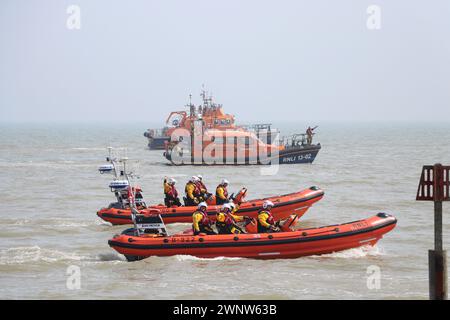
x,y
290,244
285,205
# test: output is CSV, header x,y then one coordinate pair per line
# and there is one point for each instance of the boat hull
x,y
291,155
158,143
285,205
305,154
294,244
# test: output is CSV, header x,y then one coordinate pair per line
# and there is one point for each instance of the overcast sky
x,y
263,60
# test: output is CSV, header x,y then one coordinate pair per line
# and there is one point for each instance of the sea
x,y
53,246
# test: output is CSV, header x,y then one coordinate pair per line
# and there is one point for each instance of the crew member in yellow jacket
x,y
266,222
192,192
222,192
200,220
226,220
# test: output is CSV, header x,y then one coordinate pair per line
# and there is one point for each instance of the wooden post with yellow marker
x,y
435,186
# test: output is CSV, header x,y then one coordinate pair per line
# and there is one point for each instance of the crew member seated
x,y
171,194
200,220
222,192
226,220
266,223
204,194
192,192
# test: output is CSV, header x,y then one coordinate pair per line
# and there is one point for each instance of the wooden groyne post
x,y
434,186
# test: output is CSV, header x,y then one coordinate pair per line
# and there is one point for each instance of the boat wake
x,y
35,254
110,256
21,255
192,258
361,252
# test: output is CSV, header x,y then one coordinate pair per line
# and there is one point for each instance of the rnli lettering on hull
x,y
300,158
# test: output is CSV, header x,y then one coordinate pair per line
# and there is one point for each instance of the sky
x,y
136,61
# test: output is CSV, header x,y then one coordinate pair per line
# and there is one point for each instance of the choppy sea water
x,y
50,190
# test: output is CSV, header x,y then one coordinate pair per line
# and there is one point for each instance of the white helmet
x,y
200,177
267,204
227,206
232,205
202,205
194,179
172,181
224,181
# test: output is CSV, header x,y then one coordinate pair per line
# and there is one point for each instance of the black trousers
x,y
171,201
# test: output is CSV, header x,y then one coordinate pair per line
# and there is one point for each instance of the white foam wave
x,y
110,256
21,222
63,224
192,258
33,254
360,252
20,255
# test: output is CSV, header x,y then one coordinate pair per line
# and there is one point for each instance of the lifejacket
x,y
227,225
219,194
270,220
204,225
173,193
202,187
170,191
228,218
206,221
195,191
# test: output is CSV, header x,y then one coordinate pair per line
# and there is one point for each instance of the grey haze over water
x,y
277,60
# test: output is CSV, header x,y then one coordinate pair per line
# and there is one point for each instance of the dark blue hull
x,y
157,143
300,154
305,154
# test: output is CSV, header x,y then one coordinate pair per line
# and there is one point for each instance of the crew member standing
x,y
309,134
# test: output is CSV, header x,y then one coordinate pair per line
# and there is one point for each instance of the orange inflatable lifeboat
x,y
284,244
285,205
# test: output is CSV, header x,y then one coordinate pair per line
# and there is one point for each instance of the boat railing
x,y
156,133
295,140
